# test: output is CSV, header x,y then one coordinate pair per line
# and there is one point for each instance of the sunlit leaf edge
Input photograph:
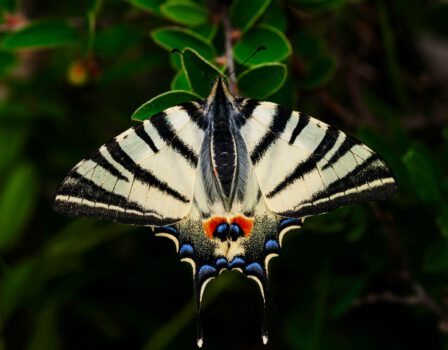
x,y
280,34
262,65
255,17
135,116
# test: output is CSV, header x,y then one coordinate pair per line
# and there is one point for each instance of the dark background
x,y
370,276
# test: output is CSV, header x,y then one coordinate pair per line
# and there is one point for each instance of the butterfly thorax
x,y
223,145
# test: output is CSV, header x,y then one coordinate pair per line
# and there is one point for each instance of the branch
x,y
228,32
419,294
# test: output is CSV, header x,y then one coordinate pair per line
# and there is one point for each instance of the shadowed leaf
x,y
179,38
39,35
184,12
263,80
244,13
162,102
148,5
277,45
17,199
180,81
422,172
199,72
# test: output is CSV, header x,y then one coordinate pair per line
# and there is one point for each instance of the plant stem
x,y
228,48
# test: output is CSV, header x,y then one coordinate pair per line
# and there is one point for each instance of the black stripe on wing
x,y
194,111
366,173
343,149
77,187
140,131
278,124
301,124
141,174
303,168
246,110
99,159
167,133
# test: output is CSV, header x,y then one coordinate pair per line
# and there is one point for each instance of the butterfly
x,y
225,178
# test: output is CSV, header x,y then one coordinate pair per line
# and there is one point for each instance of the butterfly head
x,y
219,93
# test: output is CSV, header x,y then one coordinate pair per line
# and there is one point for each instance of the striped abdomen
x,y
223,152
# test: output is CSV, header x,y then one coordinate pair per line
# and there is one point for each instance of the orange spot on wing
x,y
209,225
246,224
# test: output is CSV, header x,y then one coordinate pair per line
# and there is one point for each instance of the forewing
x,y
145,175
305,167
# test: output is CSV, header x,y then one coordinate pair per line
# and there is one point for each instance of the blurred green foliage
x,y
363,277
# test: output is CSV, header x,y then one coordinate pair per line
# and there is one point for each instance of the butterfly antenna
x,y
257,50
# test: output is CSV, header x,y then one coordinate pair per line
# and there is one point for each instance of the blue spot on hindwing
x,y
166,229
235,228
221,262
236,262
289,222
255,268
206,271
221,228
186,249
272,245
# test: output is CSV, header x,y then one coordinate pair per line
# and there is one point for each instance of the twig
x,y
228,47
419,295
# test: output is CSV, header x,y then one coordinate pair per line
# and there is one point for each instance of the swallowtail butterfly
x,y
225,178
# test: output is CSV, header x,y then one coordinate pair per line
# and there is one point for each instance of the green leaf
x,y
244,13
445,133
318,5
286,95
436,257
180,81
442,220
277,45
179,38
8,5
18,282
199,72
7,62
207,31
147,5
275,16
263,80
423,174
184,12
94,6
115,40
12,140
162,102
46,333
39,35
318,72
17,200
80,235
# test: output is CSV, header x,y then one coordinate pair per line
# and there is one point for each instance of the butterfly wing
x,y
305,167
144,176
